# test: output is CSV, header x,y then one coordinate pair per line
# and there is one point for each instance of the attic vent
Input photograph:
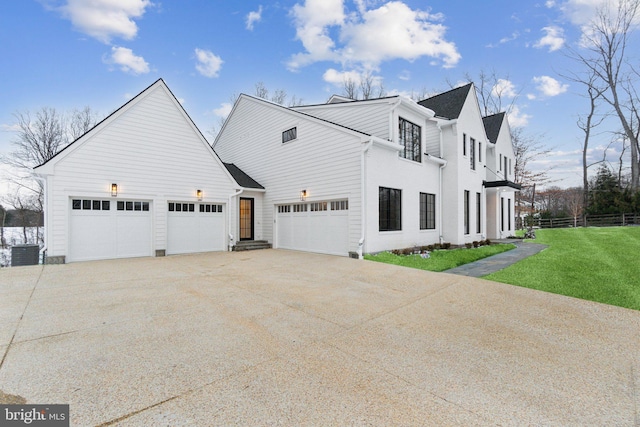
x,y
289,135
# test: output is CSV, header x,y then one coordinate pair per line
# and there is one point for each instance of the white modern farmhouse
x,y
345,178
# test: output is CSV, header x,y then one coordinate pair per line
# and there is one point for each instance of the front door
x,y
246,219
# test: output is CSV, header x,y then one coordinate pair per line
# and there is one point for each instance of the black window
x,y
137,206
509,213
478,213
466,212
479,152
96,205
464,144
129,206
409,138
427,211
120,206
289,135
178,207
106,205
502,213
389,209
171,207
472,153
76,204
86,204
145,206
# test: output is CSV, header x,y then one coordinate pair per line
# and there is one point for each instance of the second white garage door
x,y
195,227
321,227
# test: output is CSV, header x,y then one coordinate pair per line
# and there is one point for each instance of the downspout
x,y
393,108
363,199
237,193
442,165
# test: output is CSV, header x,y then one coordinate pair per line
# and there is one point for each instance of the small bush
x,y
468,245
445,245
476,243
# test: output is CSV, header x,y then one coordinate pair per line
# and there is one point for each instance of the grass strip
x,y
441,260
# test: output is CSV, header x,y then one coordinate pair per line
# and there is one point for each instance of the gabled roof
x,y
242,178
448,104
492,126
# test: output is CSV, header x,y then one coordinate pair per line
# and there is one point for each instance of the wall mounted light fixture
x,y
303,195
114,190
199,194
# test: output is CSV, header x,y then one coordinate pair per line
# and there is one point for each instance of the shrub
x,y
445,245
476,243
468,245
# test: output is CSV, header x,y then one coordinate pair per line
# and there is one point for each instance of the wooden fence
x,y
588,221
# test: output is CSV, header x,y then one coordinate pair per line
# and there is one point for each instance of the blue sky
x,y
73,53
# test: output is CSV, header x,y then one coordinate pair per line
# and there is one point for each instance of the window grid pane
x,y
409,138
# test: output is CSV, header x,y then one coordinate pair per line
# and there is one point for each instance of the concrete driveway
x,y
286,338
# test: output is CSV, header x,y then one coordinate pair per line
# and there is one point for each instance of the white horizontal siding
x,y
152,151
323,160
370,118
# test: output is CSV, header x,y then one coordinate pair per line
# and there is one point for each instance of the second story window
x,y
289,135
472,153
409,137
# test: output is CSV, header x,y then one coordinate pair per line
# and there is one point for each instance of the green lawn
x,y
441,260
597,264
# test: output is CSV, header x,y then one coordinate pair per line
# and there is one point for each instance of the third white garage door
x,y
321,227
195,227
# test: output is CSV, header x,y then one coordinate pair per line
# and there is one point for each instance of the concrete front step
x,y
249,245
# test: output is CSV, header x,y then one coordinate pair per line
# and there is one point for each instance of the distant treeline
x,y
22,218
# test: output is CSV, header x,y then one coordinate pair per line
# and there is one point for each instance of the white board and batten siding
x,y
324,159
151,150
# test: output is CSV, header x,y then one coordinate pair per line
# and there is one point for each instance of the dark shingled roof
x,y
448,104
492,125
242,178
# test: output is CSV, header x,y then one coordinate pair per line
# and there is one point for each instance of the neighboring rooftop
x,y
448,104
492,125
242,178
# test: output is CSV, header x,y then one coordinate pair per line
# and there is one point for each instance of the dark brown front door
x,y
246,219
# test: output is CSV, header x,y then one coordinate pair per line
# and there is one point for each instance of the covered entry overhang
x,y
502,184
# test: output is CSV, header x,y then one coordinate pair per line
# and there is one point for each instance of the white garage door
x,y
314,227
107,229
195,227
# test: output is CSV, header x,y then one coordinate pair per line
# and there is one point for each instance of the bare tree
x,y
350,88
38,139
606,40
81,122
574,201
367,86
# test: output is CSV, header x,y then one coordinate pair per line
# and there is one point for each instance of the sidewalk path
x,y
497,262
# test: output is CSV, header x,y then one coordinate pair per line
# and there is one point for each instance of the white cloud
x,y
405,75
550,4
253,17
550,86
504,89
553,39
105,19
517,118
128,61
9,127
224,110
208,64
367,37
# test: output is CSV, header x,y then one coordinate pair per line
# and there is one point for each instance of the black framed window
x,y
427,211
502,213
472,153
466,212
289,134
479,152
509,214
389,209
478,213
409,138
464,144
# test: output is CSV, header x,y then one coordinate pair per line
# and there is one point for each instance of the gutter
x,y
231,196
363,197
